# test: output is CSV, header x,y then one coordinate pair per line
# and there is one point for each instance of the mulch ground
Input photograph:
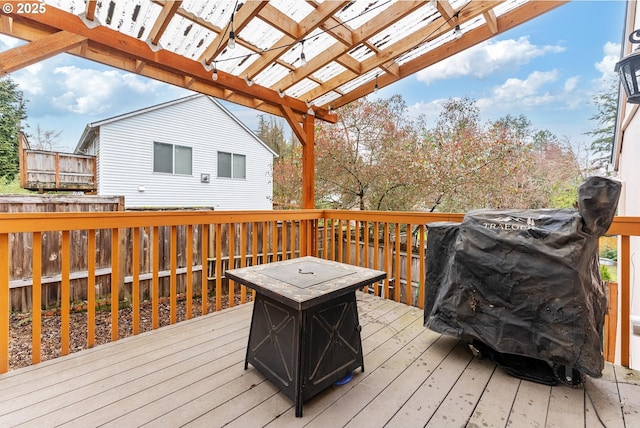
x,y
20,328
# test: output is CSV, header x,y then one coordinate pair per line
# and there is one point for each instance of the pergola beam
x,y
163,20
31,53
118,50
242,17
393,14
480,34
307,25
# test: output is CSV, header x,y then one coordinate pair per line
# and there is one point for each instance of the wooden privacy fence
x,y
21,259
21,281
42,170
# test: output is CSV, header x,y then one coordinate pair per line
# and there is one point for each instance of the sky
x,y
548,69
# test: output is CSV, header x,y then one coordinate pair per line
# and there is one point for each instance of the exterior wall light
x,y
629,70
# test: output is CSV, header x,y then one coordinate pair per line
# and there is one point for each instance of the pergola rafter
x,y
349,46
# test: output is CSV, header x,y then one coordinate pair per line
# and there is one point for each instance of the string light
x,y
232,35
248,81
303,58
457,32
376,87
214,76
310,111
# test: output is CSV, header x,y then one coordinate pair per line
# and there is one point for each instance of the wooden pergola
x,y
294,59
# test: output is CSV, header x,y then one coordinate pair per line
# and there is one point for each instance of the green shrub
x,y
609,253
605,273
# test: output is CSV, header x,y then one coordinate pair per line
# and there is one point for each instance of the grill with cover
x,y
525,285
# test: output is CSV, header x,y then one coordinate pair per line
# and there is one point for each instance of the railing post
x,y
4,302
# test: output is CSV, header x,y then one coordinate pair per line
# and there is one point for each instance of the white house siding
x,y
628,172
126,159
629,205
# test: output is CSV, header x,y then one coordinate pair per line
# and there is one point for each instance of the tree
x,y
503,164
12,112
271,132
364,161
45,140
466,165
375,158
287,179
602,145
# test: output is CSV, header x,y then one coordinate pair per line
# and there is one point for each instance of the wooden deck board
x,y
192,374
530,405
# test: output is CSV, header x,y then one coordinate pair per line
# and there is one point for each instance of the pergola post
x,y
308,163
305,133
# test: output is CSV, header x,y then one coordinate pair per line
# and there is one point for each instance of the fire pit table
x,y
305,333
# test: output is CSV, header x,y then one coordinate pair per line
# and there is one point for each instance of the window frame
x,y
232,165
174,164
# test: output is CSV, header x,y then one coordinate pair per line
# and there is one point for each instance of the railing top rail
x,y
32,222
65,154
42,222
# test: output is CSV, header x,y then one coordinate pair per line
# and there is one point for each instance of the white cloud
x,y
486,59
95,92
29,79
571,83
430,110
527,92
606,66
7,42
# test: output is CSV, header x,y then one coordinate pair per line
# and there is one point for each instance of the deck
x,y
191,374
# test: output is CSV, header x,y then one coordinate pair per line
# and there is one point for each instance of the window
x,y
231,165
172,159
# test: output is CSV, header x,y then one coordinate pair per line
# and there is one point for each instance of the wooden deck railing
x,y
135,267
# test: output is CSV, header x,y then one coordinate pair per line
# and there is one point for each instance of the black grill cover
x,y
525,282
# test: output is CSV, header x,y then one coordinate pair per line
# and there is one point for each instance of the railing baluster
x,y
204,257
348,239
285,242
295,237
409,262
243,258
91,287
397,286
232,262
265,242
5,302
625,301
423,261
357,241
155,281
36,298
254,249
340,242
173,279
115,281
376,253
365,239
135,285
189,279
218,266
65,288
274,240
386,259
